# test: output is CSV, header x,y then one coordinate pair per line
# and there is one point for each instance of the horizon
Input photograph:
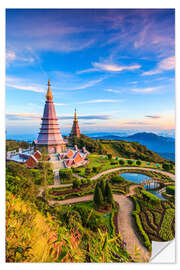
x,y
115,66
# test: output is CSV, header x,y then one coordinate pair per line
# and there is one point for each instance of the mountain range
x,y
164,146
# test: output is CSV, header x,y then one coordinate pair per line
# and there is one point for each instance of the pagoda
x,y
49,135
75,128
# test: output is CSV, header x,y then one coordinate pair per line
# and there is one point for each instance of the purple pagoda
x,y
49,135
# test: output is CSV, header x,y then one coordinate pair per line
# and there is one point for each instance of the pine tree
x,y
109,194
98,197
102,185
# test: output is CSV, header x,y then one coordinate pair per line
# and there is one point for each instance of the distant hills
x,y
164,146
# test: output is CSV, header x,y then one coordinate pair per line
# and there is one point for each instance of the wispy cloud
x,y
35,116
136,123
101,101
26,88
60,104
109,67
12,56
146,90
153,116
87,84
164,65
113,91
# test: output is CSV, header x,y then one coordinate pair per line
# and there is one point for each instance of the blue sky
x,y
115,66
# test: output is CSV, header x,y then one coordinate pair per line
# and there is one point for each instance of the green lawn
x,y
103,164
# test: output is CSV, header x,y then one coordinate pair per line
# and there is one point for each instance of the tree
x,y
109,156
130,162
138,162
122,162
108,192
98,197
166,166
102,185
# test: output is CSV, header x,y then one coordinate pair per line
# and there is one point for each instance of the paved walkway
x,y
126,225
134,168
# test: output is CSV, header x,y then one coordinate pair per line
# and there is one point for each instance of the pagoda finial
x,y
49,95
75,115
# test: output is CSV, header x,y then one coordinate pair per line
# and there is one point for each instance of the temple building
x,y
75,128
49,135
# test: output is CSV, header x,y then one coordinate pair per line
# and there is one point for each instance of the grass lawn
x,y
102,163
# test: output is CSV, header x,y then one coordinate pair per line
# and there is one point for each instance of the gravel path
x,y
126,224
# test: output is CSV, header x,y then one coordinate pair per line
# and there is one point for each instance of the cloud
x,y
109,68
60,104
136,123
101,101
12,56
113,90
86,85
164,65
146,90
35,116
26,88
153,116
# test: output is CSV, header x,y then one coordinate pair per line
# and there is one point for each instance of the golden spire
x,y
49,95
75,116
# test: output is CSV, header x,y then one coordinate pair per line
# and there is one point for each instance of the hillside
x,y
123,149
164,146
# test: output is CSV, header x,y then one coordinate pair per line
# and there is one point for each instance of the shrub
x,y
109,156
122,162
170,190
167,166
117,179
138,162
76,183
88,171
114,163
66,174
95,169
130,162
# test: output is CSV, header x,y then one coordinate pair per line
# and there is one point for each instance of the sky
x,y
116,67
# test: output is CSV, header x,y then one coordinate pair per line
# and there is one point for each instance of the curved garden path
x,y
126,225
134,168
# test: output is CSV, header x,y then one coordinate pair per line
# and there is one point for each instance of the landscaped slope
x,y
123,149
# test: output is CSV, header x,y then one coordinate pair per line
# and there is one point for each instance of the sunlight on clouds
x,y
164,65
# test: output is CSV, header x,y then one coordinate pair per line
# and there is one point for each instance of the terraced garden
x,y
155,218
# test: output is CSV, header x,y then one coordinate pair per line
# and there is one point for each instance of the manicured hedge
x,y
65,174
170,190
117,179
165,232
143,234
150,197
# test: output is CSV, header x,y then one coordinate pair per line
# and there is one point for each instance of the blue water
x,y
137,178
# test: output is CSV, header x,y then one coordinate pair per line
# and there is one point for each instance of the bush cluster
x,y
77,182
117,179
66,174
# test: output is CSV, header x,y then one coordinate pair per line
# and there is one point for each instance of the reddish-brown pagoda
x,y
75,128
49,135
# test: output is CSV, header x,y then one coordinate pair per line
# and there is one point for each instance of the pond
x,y
138,178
